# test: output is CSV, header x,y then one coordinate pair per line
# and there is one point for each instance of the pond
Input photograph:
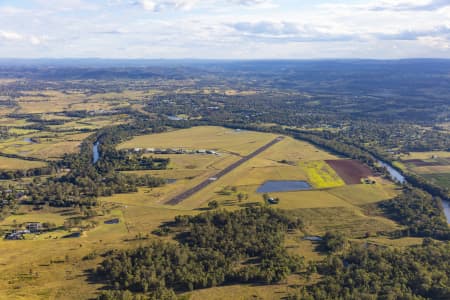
x,y
28,140
446,206
96,154
174,118
283,186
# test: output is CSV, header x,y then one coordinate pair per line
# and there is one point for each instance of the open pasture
x,y
203,137
422,163
440,179
51,267
43,145
432,165
425,155
7,163
349,220
56,101
351,171
90,123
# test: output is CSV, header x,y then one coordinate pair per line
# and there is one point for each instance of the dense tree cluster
x,y
373,272
334,241
420,212
124,161
400,136
15,174
215,248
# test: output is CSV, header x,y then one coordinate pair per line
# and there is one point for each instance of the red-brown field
x,y
351,171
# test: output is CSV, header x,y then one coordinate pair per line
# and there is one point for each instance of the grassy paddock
x,y
203,137
7,163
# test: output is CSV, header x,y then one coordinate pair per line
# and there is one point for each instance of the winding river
x,y
398,177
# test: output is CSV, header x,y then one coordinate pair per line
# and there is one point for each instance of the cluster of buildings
x,y
174,151
32,227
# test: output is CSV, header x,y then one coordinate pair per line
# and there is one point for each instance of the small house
x,y
34,226
273,200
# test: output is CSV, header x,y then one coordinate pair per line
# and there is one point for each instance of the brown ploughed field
x,y
351,171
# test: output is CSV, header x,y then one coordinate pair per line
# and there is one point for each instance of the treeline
x,y
4,132
373,272
421,213
215,248
426,185
15,174
83,189
398,135
121,160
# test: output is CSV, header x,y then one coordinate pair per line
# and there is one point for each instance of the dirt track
x,y
186,194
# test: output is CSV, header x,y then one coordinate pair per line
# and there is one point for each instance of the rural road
x,y
186,194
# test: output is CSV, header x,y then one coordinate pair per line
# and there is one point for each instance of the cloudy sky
x,y
225,28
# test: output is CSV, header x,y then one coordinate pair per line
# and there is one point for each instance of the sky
x,y
225,29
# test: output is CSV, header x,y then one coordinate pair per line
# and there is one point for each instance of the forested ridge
x,y
215,248
420,212
373,272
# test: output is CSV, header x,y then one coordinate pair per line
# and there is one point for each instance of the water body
x,y
397,176
283,186
446,206
96,154
28,140
174,118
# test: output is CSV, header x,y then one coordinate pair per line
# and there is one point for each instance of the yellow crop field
x,y
321,175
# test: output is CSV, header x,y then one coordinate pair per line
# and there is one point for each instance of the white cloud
x,y
10,36
411,5
435,42
34,40
67,5
14,37
159,5
226,28
258,3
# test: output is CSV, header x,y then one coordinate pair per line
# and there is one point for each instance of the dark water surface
x,y
95,152
283,186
